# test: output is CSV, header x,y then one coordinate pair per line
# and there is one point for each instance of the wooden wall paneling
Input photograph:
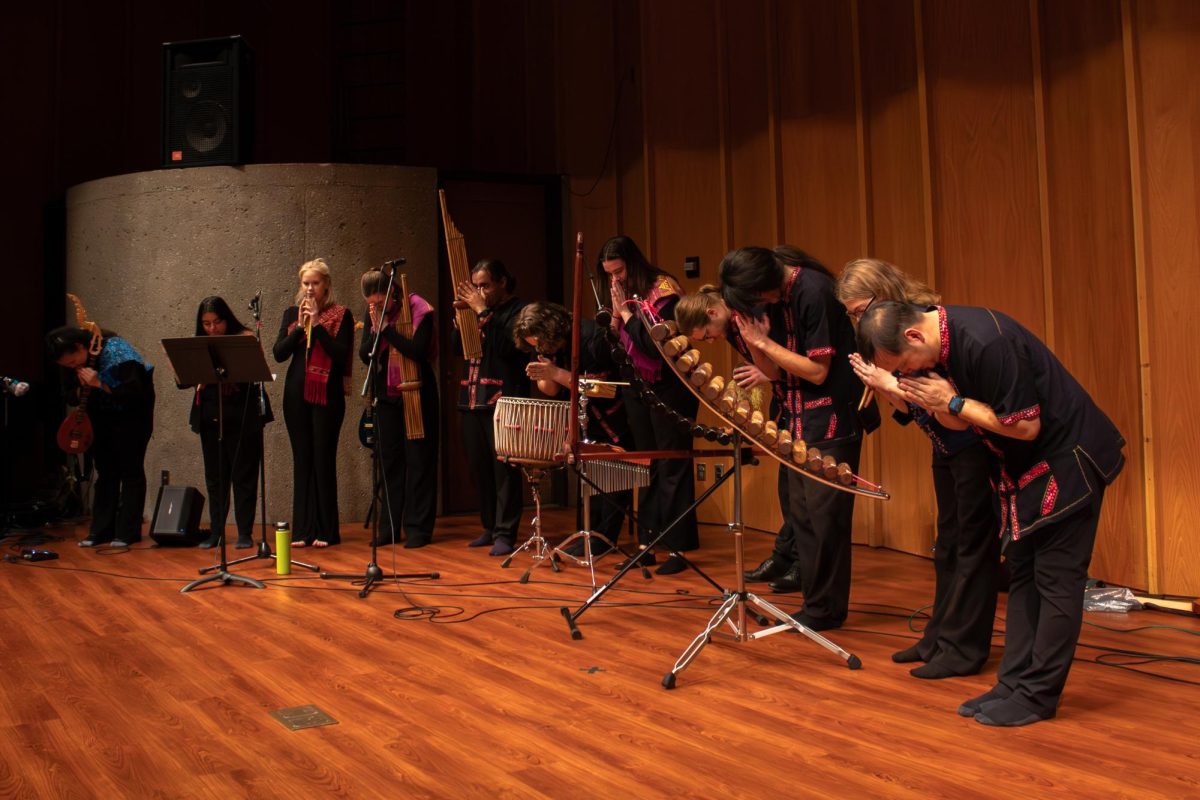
x,y
499,86
589,120
633,215
684,142
439,39
1090,238
868,517
897,204
541,67
1166,39
817,130
983,154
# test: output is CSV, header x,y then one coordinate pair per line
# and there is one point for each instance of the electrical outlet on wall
x,y
691,266
718,470
701,471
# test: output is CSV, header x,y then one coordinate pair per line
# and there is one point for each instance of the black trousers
x,y
966,561
785,540
314,431
671,488
409,489
237,462
1045,605
497,484
820,518
119,456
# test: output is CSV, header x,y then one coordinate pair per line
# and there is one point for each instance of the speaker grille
x,y
206,117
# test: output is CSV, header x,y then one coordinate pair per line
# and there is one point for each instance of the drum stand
x,y
587,534
733,611
539,549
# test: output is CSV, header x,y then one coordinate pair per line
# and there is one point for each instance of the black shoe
x,y
771,568
673,564
645,558
816,623
788,582
908,655
244,542
413,542
971,707
211,541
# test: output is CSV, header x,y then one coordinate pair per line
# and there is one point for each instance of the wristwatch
x,y
956,404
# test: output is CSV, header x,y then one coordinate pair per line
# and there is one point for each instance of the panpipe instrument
x,y
460,272
735,407
308,324
75,434
410,371
531,430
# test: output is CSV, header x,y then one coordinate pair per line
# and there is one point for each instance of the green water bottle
x,y
283,549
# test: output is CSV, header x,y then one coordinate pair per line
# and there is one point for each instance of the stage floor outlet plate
x,y
302,717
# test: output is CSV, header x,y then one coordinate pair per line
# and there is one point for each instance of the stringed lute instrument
x,y
75,434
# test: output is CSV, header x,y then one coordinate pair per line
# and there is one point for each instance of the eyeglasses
x,y
857,314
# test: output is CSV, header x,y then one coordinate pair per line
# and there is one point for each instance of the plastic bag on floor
x,y
1110,599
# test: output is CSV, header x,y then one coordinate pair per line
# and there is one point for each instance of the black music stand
x,y
218,359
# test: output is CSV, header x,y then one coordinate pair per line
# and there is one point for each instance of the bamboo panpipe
x,y
410,372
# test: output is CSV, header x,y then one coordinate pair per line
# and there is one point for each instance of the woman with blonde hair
x,y
317,335
958,638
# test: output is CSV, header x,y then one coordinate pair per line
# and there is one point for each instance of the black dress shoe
x,y
771,568
788,582
970,708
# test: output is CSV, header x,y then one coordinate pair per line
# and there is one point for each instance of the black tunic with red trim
x,y
606,420
992,358
500,372
810,321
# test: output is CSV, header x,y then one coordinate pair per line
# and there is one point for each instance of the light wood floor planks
x,y
113,684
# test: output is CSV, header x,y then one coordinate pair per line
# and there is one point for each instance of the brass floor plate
x,y
302,717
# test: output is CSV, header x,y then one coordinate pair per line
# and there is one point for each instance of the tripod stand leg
x,y
225,578
703,638
787,623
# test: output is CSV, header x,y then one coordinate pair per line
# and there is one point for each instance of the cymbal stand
x,y
734,610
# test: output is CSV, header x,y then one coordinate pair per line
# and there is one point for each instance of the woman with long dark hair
x,y
625,274
800,335
317,335
121,408
233,462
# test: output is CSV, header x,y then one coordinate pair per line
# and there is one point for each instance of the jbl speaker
x,y
208,102
177,516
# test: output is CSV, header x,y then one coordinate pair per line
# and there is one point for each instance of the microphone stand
x,y
374,574
264,547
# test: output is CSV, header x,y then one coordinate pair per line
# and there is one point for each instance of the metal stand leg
x,y
536,544
736,603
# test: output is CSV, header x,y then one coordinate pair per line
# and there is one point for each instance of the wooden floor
x,y
114,684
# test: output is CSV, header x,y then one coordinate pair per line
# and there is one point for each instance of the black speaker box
x,y
177,516
208,102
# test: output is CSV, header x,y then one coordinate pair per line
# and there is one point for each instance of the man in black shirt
x,y
1057,453
499,372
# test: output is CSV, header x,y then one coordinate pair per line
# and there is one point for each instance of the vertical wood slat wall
x,y
1036,157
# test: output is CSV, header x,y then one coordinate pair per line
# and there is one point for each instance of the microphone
x,y
390,266
13,386
254,302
